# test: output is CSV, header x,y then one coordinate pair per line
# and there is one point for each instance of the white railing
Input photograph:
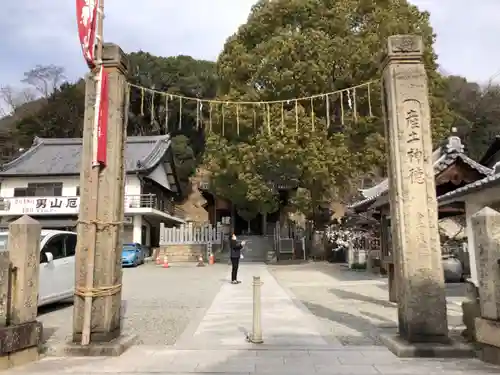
x,y
187,234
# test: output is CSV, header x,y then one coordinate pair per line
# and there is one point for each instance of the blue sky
x,y
44,32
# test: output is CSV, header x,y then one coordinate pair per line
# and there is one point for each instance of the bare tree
x,y
12,98
45,79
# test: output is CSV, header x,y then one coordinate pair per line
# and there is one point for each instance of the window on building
x,y
45,189
19,192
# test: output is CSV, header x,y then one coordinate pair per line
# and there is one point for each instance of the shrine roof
x,y
442,157
487,182
62,156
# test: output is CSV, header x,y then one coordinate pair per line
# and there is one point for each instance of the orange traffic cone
x,y
211,259
200,262
165,262
158,260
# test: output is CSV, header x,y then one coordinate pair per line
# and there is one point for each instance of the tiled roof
x,y
383,186
489,181
62,156
443,157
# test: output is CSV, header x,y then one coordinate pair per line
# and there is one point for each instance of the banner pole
x,y
94,178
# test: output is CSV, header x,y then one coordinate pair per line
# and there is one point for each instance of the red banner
x,y
86,13
101,120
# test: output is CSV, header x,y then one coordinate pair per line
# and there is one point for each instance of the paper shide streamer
x,y
337,98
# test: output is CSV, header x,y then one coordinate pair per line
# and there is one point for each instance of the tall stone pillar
x,y
107,271
415,238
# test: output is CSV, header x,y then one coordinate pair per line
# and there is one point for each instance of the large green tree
x,y
476,109
179,75
150,113
296,48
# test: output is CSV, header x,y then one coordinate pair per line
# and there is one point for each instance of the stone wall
x,y
182,253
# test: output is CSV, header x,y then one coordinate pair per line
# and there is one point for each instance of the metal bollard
x,y
256,337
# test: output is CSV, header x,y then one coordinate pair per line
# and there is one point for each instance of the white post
x,y
137,231
162,234
304,247
256,337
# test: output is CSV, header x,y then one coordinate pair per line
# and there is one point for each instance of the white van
x,y
57,265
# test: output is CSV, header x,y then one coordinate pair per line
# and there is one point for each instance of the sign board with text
x,y
42,205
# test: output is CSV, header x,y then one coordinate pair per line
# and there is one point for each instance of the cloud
x,y
44,32
466,36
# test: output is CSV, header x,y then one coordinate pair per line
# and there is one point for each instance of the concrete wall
x,y
128,234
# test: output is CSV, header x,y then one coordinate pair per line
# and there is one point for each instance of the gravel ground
x,y
351,306
160,303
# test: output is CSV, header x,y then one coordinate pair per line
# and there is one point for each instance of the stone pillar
x,y
392,282
24,254
486,227
387,256
107,271
414,219
20,333
4,286
470,210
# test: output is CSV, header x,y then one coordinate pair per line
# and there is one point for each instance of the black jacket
x,y
236,247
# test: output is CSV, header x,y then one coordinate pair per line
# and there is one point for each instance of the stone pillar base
x,y
489,354
19,358
113,348
488,335
19,344
433,347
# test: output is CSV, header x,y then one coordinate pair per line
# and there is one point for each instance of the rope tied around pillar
x,y
102,291
101,224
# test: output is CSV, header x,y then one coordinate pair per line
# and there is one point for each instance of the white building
x,y
44,183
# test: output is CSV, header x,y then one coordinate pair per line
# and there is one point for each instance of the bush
x,y
358,266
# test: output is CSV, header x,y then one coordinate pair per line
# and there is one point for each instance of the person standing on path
x,y
236,247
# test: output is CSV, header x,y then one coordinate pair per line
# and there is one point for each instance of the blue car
x,y
132,255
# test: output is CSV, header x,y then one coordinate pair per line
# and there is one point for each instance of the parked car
x,y
133,254
57,265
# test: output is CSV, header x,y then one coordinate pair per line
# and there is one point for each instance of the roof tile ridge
x,y
159,149
37,143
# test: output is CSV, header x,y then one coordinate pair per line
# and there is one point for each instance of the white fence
x,y
189,233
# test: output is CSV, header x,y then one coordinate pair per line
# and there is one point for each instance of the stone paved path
x,y
293,345
350,305
157,309
225,324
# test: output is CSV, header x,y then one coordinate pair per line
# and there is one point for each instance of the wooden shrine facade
x,y
453,170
